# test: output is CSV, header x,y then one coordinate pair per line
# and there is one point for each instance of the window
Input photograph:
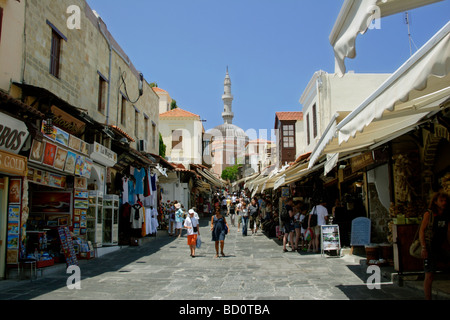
x,y
55,50
101,94
288,136
308,134
146,128
155,138
55,54
123,110
314,121
1,20
177,140
136,124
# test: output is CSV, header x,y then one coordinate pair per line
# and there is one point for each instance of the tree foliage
x,y
230,173
162,147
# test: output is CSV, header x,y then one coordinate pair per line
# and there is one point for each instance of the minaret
x,y
227,98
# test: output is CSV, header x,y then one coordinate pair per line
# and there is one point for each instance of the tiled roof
x,y
178,113
292,115
156,89
122,132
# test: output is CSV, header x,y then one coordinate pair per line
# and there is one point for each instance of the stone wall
x,y
84,55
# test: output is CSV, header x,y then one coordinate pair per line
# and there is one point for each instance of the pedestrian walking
x,y
219,228
322,216
434,236
172,219
239,213
232,212
178,220
288,225
244,216
193,231
253,210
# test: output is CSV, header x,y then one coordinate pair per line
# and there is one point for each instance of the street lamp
x,y
48,125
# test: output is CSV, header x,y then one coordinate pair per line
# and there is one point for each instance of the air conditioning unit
x,y
142,145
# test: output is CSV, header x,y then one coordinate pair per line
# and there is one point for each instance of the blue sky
x,y
272,49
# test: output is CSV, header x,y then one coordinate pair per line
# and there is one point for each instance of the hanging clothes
x,y
155,224
153,182
139,176
137,216
125,190
131,192
148,221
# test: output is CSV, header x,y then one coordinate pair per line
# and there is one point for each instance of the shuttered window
x,y
55,54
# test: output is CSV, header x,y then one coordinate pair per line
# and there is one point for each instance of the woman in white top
x,y
191,224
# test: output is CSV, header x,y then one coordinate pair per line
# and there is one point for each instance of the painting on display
x,y
62,137
37,151
15,187
52,135
84,148
49,154
70,162
79,165
60,159
51,202
74,143
87,168
81,183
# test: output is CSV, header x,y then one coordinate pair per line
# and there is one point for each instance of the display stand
x,y
95,218
330,239
110,220
67,246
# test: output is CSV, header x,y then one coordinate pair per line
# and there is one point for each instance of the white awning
x,y
356,17
210,178
414,92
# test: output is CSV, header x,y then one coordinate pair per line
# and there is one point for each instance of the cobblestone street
x,y
255,268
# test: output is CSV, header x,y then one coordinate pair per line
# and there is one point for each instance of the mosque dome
x,y
228,130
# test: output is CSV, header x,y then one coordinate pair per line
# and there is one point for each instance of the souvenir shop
x,y
134,179
66,212
13,185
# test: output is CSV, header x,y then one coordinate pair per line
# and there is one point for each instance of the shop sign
x,y
361,161
67,122
13,164
103,155
13,134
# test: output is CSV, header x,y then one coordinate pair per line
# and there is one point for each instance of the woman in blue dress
x,y
219,228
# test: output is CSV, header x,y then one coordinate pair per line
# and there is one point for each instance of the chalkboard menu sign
x,y
67,246
360,235
330,238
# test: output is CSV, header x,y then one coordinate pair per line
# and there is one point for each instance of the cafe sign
x,y
67,122
13,134
103,155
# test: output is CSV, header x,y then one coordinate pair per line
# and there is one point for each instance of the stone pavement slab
x,y
255,268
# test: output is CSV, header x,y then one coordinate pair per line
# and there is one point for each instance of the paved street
x,y
255,268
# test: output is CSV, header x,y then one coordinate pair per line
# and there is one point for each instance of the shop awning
x,y
356,17
416,91
210,178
